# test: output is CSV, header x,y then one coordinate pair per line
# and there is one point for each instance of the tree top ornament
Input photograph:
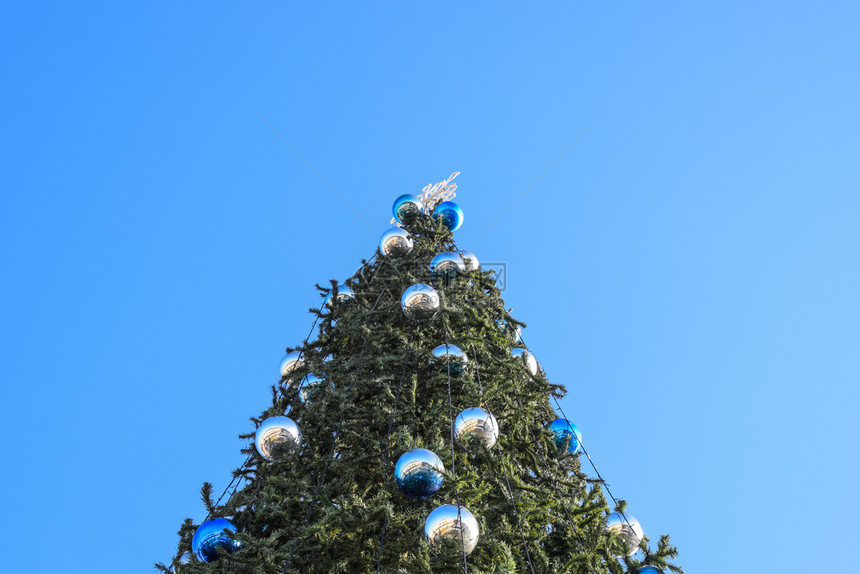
x,y
435,193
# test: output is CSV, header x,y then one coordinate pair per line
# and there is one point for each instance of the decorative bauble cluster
x,y
212,535
419,473
628,528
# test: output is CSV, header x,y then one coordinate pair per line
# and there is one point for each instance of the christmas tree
x,y
411,432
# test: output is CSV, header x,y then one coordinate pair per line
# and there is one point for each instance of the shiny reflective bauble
x,y
470,260
419,473
447,265
210,536
407,208
450,214
344,293
278,438
566,435
310,386
290,363
627,528
451,533
478,424
531,362
419,301
648,570
516,332
451,359
395,242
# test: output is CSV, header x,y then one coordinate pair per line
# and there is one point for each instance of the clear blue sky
x,y
688,268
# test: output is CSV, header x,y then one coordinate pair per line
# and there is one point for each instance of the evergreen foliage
x,y
326,510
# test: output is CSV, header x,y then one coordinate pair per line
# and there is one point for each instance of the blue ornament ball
x,y
648,570
407,208
565,435
419,473
210,536
450,214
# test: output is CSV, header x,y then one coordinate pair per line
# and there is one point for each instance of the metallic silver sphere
x,y
419,301
530,361
278,438
478,424
451,530
291,363
344,294
627,528
309,387
472,263
406,208
451,359
395,242
447,264
419,473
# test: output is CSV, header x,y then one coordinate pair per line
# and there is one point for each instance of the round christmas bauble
x,y
451,530
344,293
278,438
419,301
407,208
451,359
627,528
419,473
450,214
648,570
395,242
447,265
210,536
528,358
477,424
470,260
516,332
309,387
566,435
290,363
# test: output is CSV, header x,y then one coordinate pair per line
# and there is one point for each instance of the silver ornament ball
x,y
309,387
451,359
470,260
628,528
528,358
478,424
451,530
447,264
278,438
344,294
395,242
291,363
419,301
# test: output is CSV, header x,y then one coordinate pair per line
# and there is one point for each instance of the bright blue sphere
x,y
450,214
565,435
419,473
407,208
648,570
210,536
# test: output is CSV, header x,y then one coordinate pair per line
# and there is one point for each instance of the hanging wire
x,y
387,447
337,432
594,466
453,464
504,468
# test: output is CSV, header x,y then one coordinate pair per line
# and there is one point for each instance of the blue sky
x,y
688,268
